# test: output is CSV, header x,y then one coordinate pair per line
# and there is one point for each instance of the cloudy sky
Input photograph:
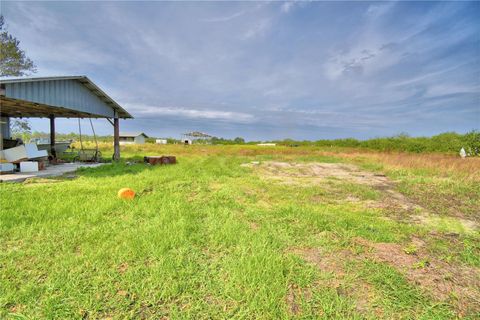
x,y
265,70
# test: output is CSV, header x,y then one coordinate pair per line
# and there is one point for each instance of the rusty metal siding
x,y
70,94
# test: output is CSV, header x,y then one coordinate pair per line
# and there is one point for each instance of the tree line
x,y
448,142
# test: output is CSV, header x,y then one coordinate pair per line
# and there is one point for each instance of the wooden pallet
x,y
154,160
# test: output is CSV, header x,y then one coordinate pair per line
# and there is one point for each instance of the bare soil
x,y
349,172
453,284
395,203
293,299
334,264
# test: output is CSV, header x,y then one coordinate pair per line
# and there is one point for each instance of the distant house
x,y
132,138
161,141
190,137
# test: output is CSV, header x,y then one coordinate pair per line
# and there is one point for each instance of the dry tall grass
x,y
468,168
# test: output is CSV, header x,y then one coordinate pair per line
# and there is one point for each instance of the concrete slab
x,y
50,171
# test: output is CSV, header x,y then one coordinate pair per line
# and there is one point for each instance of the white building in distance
x,y
161,141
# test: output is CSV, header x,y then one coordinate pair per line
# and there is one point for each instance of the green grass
x,y
204,239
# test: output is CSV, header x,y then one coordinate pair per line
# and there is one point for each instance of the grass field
x,y
246,232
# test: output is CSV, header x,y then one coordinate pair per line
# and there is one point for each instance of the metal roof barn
x,y
132,138
59,97
132,134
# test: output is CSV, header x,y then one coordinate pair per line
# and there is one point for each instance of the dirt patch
x,y
254,226
288,171
454,284
395,203
315,172
122,268
457,285
331,263
334,263
16,308
292,299
215,186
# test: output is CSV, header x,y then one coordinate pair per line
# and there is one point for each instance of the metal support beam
x,y
52,137
116,138
4,130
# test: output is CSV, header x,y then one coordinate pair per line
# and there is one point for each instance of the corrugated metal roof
x,y
132,134
61,92
197,134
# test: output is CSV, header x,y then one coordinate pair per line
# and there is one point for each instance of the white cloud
x,y
439,90
359,60
151,110
70,52
378,10
286,6
225,18
36,18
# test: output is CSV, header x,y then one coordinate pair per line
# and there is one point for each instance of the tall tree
x,y
13,61
21,128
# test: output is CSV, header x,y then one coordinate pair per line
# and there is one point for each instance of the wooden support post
x,y
52,137
116,138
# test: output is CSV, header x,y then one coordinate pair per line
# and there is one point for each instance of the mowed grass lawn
x,y
217,236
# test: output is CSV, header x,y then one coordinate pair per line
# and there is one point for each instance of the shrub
x,y
472,142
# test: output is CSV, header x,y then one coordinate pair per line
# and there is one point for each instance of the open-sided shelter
x,y
58,97
190,137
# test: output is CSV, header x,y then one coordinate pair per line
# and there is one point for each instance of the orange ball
x,y
126,193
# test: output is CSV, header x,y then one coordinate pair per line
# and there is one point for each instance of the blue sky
x,y
265,70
